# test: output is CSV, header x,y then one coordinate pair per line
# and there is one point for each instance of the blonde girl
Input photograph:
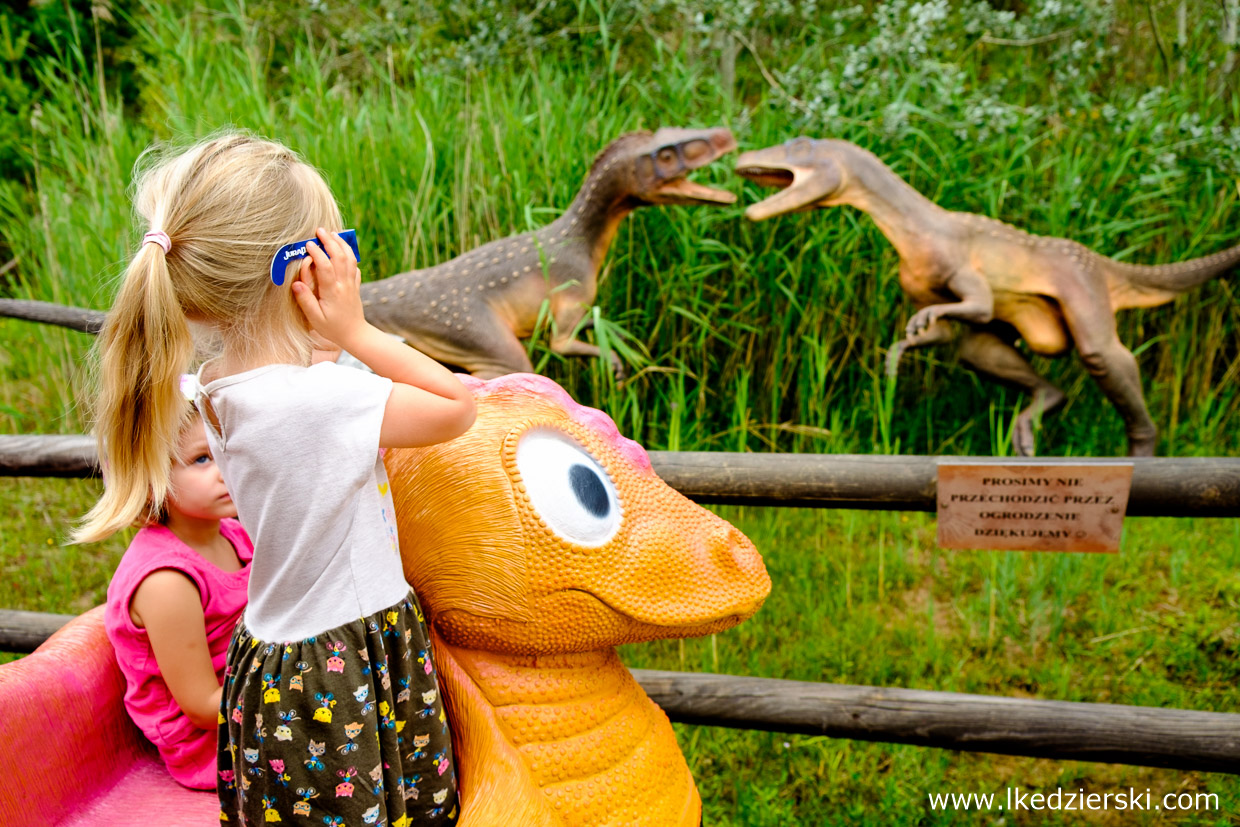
x,y
324,693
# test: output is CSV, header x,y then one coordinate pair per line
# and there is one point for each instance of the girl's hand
x,y
328,290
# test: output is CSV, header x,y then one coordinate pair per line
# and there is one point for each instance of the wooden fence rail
x,y
25,631
1161,486
1067,731
1144,736
74,318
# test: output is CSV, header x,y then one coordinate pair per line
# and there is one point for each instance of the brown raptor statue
x,y
1002,283
473,311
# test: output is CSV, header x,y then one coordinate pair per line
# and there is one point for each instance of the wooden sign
x,y
1023,505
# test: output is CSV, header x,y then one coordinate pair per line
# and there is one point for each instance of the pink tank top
x,y
188,751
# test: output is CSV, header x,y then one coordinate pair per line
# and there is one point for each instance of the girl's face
x,y
198,490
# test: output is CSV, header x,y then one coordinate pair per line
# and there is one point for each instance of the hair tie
x,y
158,237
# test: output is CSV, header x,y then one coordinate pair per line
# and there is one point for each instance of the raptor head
x,y
807,171
653,169
542,530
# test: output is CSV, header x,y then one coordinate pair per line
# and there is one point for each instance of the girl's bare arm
x,y
428,404
168,606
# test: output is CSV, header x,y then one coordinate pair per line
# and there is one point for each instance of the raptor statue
x,y
472,311
1002,283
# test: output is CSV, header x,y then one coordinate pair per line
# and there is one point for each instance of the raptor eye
x,y
568,487
696,149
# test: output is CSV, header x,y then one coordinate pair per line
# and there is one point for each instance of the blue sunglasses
x,y
297,250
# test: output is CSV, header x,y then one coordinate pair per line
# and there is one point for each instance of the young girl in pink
x,y
172,606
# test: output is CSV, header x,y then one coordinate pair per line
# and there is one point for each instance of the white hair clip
x,y
190,387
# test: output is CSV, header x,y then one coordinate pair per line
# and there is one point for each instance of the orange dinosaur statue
x,y
537,542
1001,283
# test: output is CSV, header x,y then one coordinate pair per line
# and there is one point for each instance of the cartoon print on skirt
x,y
345,728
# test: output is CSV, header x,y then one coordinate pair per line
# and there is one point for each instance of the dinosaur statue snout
x,y
677,570
805,176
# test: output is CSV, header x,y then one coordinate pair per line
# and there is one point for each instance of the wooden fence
x,y
1144,736
1161,486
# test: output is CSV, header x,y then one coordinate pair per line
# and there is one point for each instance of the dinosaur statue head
x,y
807,171
653,169
542,530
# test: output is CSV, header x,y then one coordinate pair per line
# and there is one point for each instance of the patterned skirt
x,y
344,728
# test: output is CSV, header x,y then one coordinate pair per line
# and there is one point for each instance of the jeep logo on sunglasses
x,y
297,250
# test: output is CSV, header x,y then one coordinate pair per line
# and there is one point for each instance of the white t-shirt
x,y
299,451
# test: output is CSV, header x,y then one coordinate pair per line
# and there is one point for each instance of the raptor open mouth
x,y
799,187
767,176
685,191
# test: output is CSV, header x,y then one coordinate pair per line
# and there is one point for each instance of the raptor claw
x,y
1023,439
617,367
920,322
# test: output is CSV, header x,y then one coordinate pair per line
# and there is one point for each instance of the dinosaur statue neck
x,y
591,738
589,224
594,216
903,214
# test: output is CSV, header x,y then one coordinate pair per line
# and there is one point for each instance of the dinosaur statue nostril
x,y
733,551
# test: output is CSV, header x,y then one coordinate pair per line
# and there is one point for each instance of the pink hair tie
x,y
158,237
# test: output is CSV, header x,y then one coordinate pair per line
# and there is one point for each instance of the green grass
x,y
1156,625
740,336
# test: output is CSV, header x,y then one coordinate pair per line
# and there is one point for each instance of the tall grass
x,y
793,316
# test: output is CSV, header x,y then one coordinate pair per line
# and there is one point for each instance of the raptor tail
x,y
1137,285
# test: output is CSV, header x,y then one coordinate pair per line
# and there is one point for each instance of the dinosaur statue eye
x,y
696,149
568,487
801,147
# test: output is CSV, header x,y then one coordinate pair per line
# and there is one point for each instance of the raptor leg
x,y
937,333
497,362
1112,365
567,317
991,355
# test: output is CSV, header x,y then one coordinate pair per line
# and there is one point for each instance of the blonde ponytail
x,y
144,346
217,212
